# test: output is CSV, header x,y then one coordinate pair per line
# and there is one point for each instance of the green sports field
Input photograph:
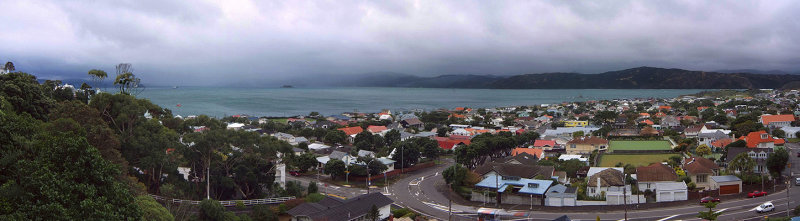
x,y
639,145
610,160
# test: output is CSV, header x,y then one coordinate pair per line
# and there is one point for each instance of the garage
x,y
726,184
671,191
729,189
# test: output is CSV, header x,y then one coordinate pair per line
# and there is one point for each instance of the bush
x,y
691,185
314,197
312,187
263,213
240,205
796,211
211,210
400,212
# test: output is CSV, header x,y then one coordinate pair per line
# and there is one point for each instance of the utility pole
x,y
208,179
624,196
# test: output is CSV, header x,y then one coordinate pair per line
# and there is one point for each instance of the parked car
x,y
709,199
766,207
294,173
797,181
756,194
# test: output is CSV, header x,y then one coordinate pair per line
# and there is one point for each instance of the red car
x,y
756,194
294,173
709,199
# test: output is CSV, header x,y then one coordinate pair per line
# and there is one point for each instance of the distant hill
x,y
634,78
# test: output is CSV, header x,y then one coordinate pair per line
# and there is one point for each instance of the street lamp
x,y
369,176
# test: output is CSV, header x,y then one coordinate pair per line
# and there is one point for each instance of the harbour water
x,y
280,102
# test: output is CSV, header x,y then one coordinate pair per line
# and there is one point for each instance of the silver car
x,y
797,181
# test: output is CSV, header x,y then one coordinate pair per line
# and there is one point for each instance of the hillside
x,y
634,78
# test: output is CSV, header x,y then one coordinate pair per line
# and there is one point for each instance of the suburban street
x,y
417,190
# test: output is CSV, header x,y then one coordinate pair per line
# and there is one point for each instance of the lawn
x,y
610,160
639,145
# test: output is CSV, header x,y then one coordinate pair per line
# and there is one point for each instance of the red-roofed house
x,y
451,142
351,132
702,108
777,121
544,144
377,129
721,143
538,153
761,139
668,108
648,122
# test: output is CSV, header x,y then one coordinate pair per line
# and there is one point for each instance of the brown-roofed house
x,y
699,169
648,176
585,145
600,181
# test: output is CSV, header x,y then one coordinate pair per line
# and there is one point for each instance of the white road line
x,y
668,217
719,211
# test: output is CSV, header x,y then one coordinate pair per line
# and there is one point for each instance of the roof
x,y
451,141
733,151
655,172
544,143
376,129
351,130
532,151
334,209
527,186
722,142
698,165
588,140
726,178
607,177
520,170
412,121
754,138
524,158
766,119
561,190
592,170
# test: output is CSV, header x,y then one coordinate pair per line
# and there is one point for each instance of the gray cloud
x,y
205,42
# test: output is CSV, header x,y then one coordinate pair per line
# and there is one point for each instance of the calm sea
x,y
280,102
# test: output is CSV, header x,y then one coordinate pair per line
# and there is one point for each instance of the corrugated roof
x,y
726,178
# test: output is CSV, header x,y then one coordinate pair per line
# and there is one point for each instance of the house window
x,y
752,155
572,146
591,190
762,155
702,178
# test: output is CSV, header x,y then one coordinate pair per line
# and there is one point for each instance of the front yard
x,y
610,160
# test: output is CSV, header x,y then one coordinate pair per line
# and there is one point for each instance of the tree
x,y
777,160
392,137
98,76
211,210
455,175
710,214
152,210
738,143
373,214
577,134
336,137
703,150
571,166
262,212
305,162
312,187
25,94
778,133
335,168
742,162
9,66
127,82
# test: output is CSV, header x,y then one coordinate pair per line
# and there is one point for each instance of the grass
x,y
280,120
793,140
639,145
610,160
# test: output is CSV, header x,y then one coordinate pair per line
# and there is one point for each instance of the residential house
x,y
599,183
761,139
791,132
377,130
544,144
648,176
699,170
538,153
335,209
671,191
351,132
585,145
516,190
451,142
412,123
708,138
318,146
759,155
522,158
776,121
670,122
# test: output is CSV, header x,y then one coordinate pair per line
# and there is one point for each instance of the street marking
x,y
668,217
443,208
719,211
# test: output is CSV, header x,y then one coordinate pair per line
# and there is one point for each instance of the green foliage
x,y
240,205
373,214
402,212
263,213
742,162
777,160
314,197
152,210
703,150
778,133
312,187
335,137
570,166
294,188
305,162
455,175
738,143
710,214
407,152
335,168
25,95
211,210
796,211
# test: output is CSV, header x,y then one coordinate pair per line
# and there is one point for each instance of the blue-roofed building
x,y
516,190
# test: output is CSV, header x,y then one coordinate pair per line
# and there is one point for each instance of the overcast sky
x,y
207,42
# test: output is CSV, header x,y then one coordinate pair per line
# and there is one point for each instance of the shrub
x,y
314,197
263,213
240,205
691,185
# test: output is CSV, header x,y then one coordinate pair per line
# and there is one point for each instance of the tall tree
x,y
127,82
97,76
777,160
9,66
743,163
703,150
335,168
25,94
710,214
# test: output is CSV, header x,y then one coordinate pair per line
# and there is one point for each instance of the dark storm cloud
x,y
205,42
